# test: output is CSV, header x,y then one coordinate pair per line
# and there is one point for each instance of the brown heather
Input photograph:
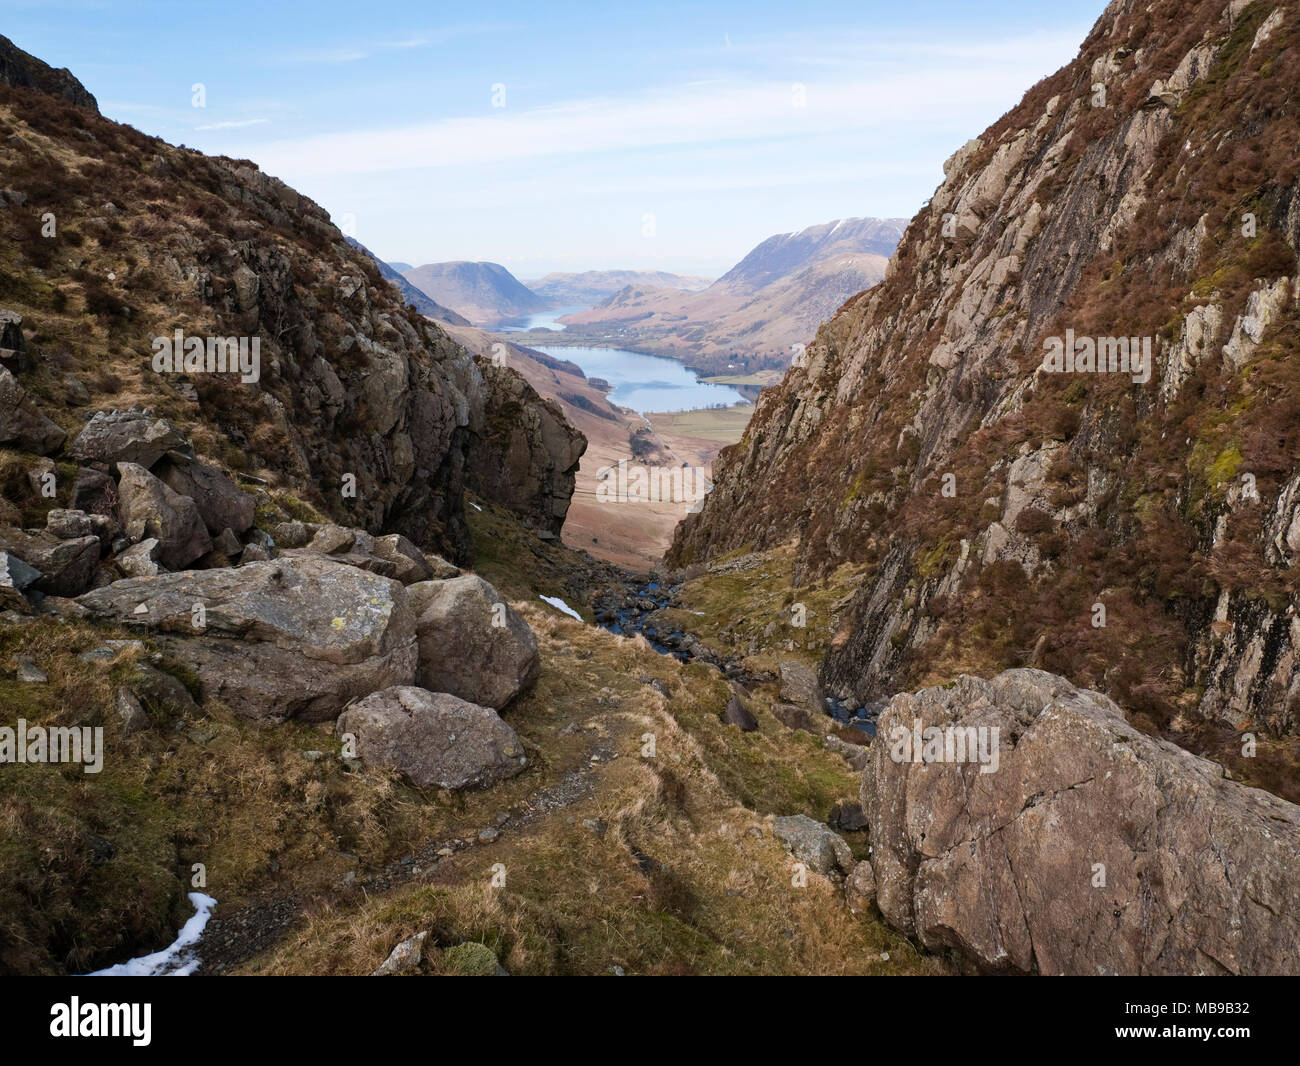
x,y
846,456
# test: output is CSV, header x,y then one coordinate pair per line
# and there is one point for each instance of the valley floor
x,y
610,859
638,840
636,534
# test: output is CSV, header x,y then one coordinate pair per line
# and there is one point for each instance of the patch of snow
x,y
560,605
178,960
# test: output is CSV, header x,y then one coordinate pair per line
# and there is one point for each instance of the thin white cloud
x,y
328,55
526,187
409,42
353,51
126,107
714,114
722,156
850,46
234,124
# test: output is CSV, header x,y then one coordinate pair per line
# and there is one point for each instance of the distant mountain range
x,y
745,322
786,254
417,299
592,286
485,293
749,319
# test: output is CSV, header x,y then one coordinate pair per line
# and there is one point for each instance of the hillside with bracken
x,y
1146,190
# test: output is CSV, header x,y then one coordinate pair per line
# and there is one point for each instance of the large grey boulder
x,y
819,848
222,504
13,349
133,436
140,560
433,738
286,638
390,556
805,719
15,576
1090,849
472,643
67,566
408,561
737,714
67,524
799,686
22,426
149,508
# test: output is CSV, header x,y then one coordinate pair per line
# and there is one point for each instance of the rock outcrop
x,y
435,739
67,567
472,643
149,509
819,848
990,500
1090,848
22,425
285,638
131,436
25,71
345,397
527,456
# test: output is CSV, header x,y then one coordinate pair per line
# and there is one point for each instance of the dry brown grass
x,y
684,879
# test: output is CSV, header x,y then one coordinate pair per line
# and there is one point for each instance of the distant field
x,y
725,425
762,378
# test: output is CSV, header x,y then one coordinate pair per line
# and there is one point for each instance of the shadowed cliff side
x,y
360,406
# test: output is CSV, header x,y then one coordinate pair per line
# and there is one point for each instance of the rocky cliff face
x,y
413,296
1086,847
119,243
1138,536
26,71
529,456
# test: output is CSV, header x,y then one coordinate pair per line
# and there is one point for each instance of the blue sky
x,y
668,136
